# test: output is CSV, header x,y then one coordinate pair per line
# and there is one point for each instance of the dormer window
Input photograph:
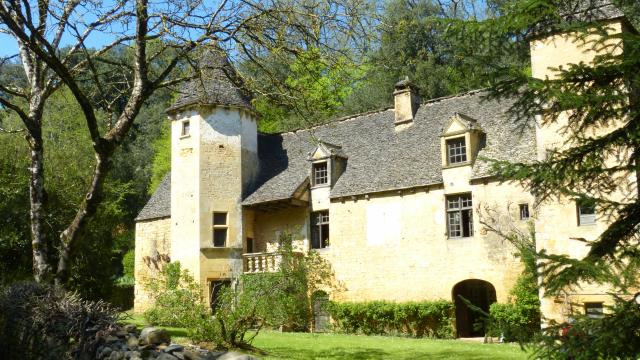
x,y
457,150
320,173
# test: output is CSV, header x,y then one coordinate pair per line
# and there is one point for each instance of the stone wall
x,y
395,247
153,249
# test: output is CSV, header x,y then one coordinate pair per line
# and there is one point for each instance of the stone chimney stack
x,y
406,100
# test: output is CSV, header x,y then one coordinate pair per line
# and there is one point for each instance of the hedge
x,y
417,319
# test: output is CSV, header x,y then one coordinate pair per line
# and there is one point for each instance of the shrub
x,y
518,320
177,298
418,319
40,322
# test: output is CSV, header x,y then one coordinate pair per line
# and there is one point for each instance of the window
x,y
594,310
214,292
456,151
459,216
319,229
320,173
524,211
220,229
185,128
586,213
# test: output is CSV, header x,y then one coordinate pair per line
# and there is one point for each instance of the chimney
x,y
406,101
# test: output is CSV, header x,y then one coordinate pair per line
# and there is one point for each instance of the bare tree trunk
x,y
37,198
88,207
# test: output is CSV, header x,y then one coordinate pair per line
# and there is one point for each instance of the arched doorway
x,y
481,294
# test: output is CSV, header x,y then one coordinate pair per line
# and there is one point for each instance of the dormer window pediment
x,y
461,139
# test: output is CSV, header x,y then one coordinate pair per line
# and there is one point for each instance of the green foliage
x,y
68,162
162,157
417,319
177,298
615,336
320,84
602,135
519,319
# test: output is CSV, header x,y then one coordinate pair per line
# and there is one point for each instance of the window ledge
x,y
461,238
185,136
320,186
457,165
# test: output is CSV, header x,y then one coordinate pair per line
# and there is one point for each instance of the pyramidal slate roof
x,y
383,159
379,158
219,84
159,205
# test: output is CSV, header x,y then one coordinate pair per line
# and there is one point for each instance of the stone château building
x,y
393,199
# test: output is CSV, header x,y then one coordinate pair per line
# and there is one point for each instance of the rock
x,y
105,352
130,328
121,333
178,354
166,356
233,355
110,339
174,347
132,343
192,355
154,335
116,355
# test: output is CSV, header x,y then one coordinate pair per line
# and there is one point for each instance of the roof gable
x,y
325,150
460,123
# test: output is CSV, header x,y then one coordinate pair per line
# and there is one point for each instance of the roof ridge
x,y
371,112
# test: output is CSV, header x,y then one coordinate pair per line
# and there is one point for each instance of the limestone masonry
x,y
393,199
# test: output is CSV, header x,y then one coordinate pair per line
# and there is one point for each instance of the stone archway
x,y
481,294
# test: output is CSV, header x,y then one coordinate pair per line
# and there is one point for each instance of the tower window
x,y
320,173
459,216
456,150
220,229
586,213
319,229
524,212
186,128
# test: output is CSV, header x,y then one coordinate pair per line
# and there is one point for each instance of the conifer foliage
x,y
598,161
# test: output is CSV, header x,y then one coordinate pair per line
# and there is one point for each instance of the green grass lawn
x,y
338,346
299,346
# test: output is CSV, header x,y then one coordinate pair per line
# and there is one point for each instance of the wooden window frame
x,y
586,218
459,208
185,129
320,228
324,173
456,154
595,305
220,227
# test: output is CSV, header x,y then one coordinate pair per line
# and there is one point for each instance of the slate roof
x,y
381,159
159,205
219,84
590,10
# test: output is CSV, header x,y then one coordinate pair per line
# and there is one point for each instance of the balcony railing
x,y
263,262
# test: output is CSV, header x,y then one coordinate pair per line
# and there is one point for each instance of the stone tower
x,y
213,160
559,223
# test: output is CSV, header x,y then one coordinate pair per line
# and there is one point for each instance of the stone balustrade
x,y
262,262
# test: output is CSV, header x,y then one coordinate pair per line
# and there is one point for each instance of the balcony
x,y
266,262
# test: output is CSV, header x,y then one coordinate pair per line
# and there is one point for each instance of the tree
x,y
414,40
160,43
599,162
